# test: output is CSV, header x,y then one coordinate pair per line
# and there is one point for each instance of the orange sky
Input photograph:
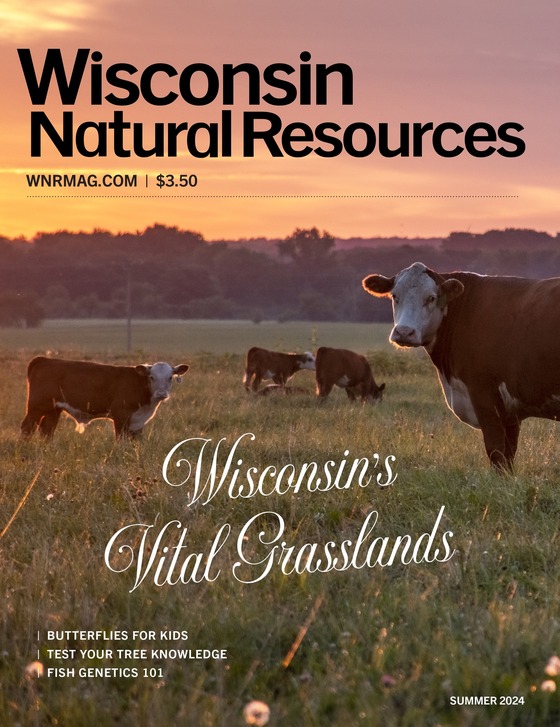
x,y
413,62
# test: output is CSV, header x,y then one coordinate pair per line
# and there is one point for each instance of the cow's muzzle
x,y
405,336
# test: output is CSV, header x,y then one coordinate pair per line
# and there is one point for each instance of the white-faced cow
x,y
128,395
494,343
262,364
348,370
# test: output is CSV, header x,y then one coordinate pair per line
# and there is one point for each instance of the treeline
x,y
166,272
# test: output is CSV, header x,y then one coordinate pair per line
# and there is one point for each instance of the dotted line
x,y
273,196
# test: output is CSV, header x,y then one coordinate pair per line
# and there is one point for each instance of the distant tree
x,y
182,283
461,240
316,307
88,306
246,277
21,310
508,239
308,247
57,302
161,239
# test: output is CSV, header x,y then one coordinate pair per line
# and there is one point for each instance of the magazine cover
x,y
278,330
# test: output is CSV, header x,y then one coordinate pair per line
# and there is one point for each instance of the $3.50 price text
x,y
175,180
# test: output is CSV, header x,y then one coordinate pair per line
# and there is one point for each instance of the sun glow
x,y
18,21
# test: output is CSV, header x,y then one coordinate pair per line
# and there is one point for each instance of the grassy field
x,y
365,645
158,338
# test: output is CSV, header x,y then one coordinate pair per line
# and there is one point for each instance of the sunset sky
x,y
495,61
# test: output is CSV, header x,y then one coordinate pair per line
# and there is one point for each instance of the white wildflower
x,y
34,669
553,667
256,713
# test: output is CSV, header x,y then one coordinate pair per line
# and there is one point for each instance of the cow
x,y
128,395
493,341
280,367
348,370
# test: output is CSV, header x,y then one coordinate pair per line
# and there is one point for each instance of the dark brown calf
x,y
263,364
128,395
348,370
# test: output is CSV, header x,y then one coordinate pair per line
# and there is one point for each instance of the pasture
x,y
399,645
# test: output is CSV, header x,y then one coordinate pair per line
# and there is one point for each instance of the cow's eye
x,y
394,297
431,299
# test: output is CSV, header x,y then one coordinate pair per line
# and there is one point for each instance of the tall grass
x,y
379,646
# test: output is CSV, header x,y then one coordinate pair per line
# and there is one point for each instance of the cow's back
x,y
86,385
263,359
334,363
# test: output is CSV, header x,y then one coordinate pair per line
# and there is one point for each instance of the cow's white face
x,y
416,314
160,377
419,303
309,362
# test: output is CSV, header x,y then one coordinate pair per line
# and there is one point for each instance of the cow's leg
x,y
120,425
494,433
496,428
322,390
512,437
279,380
256,382
30,423
249,373
49,422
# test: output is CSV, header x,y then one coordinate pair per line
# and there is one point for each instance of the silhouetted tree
x,y
308,247
20,310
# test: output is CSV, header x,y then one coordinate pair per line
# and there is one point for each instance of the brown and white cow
x,y
494,341
263,364
128,395
348,370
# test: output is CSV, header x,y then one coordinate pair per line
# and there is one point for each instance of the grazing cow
x,y
493,341
262,364
128,395
348,370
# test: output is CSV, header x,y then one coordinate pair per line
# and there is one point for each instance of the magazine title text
x,y
231,92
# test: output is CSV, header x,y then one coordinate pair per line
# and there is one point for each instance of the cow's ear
x,y
143,369
449,290
180,370
378,285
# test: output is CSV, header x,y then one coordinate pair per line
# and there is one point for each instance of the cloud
x,y
20,21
